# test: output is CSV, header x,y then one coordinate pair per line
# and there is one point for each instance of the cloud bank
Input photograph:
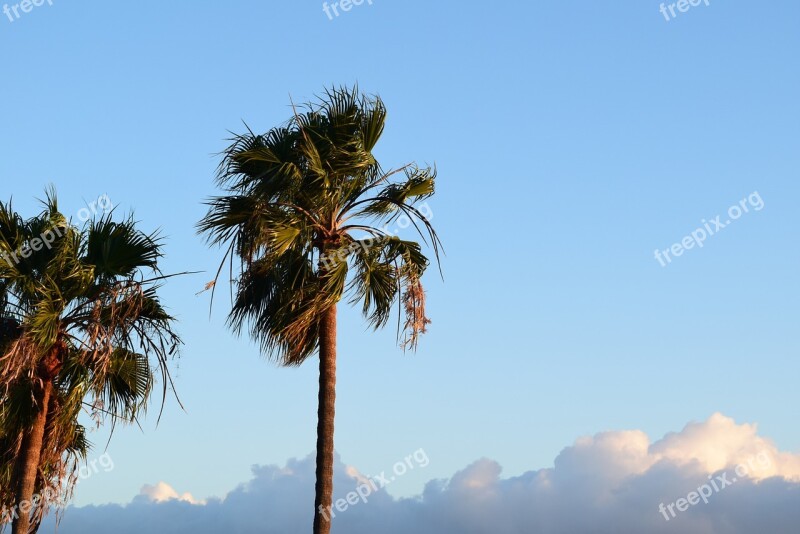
x,y
614,483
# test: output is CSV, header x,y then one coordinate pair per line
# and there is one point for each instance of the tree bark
x,y
325,422
27,468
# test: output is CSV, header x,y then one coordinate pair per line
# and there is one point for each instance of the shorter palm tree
x,y
81,329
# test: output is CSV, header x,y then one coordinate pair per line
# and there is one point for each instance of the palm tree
x,y
296,198
81,326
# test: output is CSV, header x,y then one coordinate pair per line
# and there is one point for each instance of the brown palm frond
x,y
416,320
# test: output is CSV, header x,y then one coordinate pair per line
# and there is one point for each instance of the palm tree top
x,y
304,212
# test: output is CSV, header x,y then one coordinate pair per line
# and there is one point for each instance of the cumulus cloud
x,y
613,482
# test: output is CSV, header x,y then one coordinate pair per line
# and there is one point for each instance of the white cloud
x,y
163,492
612,482
720,443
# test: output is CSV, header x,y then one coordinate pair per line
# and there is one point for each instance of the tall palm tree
x,y
296,200
81,326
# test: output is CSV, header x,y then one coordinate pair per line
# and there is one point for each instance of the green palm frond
x,y
119,249
279,301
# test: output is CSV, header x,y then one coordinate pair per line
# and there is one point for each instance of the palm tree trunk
x,y
326,413
27,467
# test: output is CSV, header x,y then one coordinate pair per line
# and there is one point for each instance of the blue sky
x,y
572,139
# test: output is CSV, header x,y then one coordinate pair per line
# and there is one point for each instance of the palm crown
x,y
297,197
